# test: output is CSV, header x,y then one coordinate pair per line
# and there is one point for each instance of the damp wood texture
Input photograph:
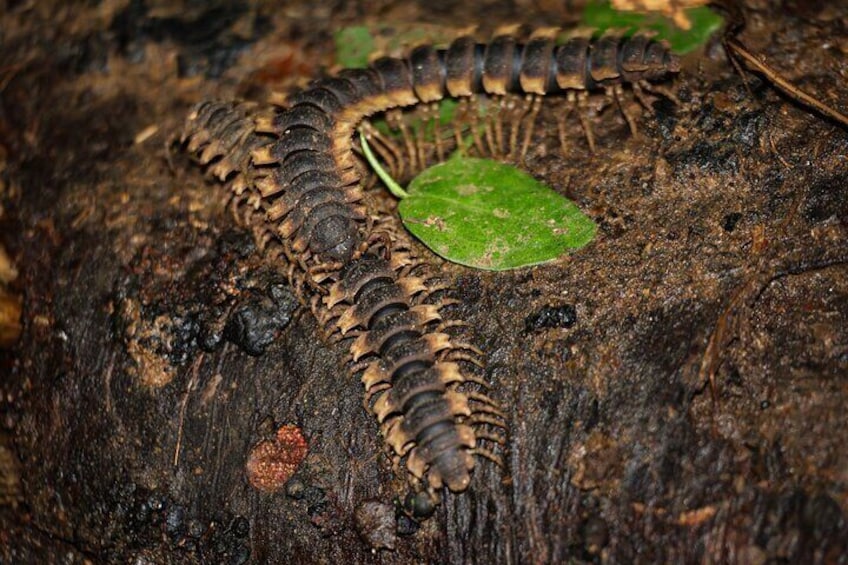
x,y
132,408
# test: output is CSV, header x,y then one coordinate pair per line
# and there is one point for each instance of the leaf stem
x,y
390,183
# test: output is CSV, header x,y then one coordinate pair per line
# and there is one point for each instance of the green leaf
x,y
487,215
353,46
602,16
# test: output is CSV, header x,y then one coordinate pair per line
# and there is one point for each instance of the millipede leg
x,y
262,241
499,125
484,419
640,95
518,114
403,263
582,111
494,438
420,135
318,273
379,239
489,455
459,356
561,118
491,405
530,124
291,276
396,120
461,112
433,289
248,215
477,380
326,319
452,324
448,302
466,346
437,130
272,250
475,124
488,125
486,409
234,210
358,368
385,148
618,94
373,391
655,89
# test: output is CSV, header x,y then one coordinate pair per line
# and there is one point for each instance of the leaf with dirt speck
x,y
491,216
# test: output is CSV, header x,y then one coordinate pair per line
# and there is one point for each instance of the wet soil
x,y
676,391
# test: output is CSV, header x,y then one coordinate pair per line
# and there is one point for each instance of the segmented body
x,y
297,185
222,137
315,193
407,368
410,369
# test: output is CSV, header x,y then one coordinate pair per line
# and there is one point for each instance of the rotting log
x,y
131,411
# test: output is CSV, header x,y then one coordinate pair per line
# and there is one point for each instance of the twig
x,y
784,85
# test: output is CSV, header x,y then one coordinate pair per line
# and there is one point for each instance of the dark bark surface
x,y
158,349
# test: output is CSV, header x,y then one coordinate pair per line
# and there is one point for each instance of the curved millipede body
x,y
402,359
221,135
314,194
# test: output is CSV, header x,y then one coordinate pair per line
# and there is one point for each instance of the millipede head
x,y
655,58
421,505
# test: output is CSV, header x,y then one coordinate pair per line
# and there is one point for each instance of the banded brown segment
x,y
498,63
405,367
539,66
310,194
220,135
428,74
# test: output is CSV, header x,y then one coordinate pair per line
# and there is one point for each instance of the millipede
x,y
315,194
411,370
294,182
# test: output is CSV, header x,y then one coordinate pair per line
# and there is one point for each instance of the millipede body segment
x,y
221,135
405,365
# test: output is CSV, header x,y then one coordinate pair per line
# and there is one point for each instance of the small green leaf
x,y
487,215
602,16
353,46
